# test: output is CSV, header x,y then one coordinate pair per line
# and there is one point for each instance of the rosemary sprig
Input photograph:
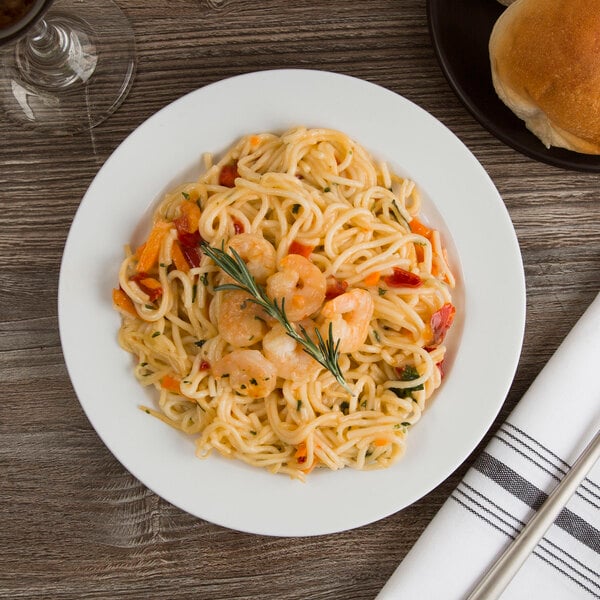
x,y
325,352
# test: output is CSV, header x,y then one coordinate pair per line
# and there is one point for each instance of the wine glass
x,y
65,65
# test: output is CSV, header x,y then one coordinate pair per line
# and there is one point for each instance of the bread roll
x,y
545,62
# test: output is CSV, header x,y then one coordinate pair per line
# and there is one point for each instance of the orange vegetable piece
x,y
301,452
139,251
420,229
151,283
181,264
301,249
149,254
122,301
372,278
170,383
190,211
381,442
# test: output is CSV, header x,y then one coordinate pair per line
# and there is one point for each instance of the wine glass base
x,y
73,71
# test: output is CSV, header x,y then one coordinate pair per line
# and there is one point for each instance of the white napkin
x,y
523,462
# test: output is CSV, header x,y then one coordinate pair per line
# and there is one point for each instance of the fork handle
x,y
502,572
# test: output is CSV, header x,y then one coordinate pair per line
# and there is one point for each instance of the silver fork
x,y
505,568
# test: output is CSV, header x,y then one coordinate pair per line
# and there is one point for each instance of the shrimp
x,y
240,321
258,254
248,371
300,284
349,315
288,356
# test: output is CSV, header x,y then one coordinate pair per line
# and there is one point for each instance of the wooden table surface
x,y
74,523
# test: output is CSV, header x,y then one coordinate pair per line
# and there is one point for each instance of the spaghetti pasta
x,y
333,240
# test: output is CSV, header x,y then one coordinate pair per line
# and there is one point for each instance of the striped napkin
x,y
509,481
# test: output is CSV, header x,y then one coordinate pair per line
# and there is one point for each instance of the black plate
x,y
460,31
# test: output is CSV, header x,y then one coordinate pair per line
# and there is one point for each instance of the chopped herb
x,y
163,265
146,411
185,195
150,306
243,386
156,333
408,373
186,381
364,404
376,335
143,364
344,407
327,189
200,343
368,452
204,278
253,381
381,291
295,209
194,292
351,151
299,405
253,432
225,375
406,424
250,338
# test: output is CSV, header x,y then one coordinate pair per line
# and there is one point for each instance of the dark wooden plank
x,y
75,524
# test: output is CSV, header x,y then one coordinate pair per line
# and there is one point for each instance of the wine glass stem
x,y
45,40
56,54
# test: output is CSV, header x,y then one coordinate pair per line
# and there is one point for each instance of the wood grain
x,y
74,523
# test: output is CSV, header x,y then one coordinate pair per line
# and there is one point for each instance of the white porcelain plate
x,y
459,199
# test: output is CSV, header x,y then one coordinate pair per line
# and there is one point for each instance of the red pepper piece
x,y
238,227
441,321
192,255
192,240
335,288
228,175
402,278
440,366
154,293
301,249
